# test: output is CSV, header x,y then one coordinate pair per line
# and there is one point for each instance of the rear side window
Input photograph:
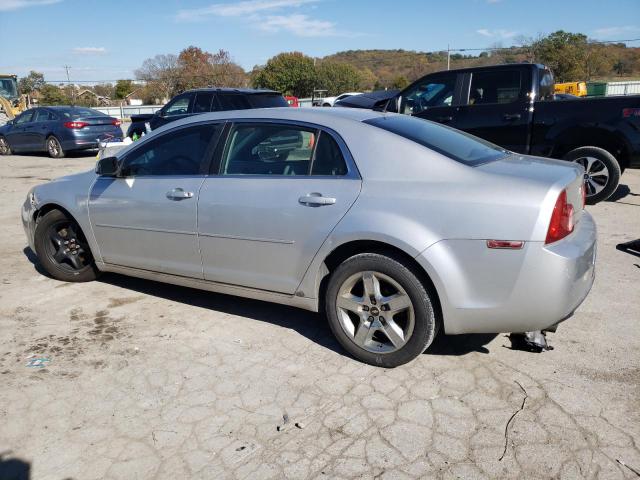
x,y
502,86
234,102
179,152
44,116
457,145
267,101
328,159
203,102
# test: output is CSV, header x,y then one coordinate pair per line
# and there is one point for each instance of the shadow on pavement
x,y
13,468
632,247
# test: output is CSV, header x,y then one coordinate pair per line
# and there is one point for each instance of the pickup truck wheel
x,y
602,172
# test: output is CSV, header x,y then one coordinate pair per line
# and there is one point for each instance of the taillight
x,y
116,122
561,223
75,125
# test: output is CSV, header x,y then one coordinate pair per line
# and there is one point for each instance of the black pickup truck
x,y
514,106
202,100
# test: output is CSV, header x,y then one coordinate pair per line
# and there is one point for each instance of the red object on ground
x,y
292,101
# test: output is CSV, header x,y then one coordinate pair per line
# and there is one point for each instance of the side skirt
x,y
304,303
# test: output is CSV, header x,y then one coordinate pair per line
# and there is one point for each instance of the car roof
x,y
491,67
244,91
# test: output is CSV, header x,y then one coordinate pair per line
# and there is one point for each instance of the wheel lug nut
x,y
371,319
365,308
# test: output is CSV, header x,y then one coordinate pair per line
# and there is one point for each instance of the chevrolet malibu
x,y
396,227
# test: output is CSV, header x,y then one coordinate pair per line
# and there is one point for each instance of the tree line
x,y
571,56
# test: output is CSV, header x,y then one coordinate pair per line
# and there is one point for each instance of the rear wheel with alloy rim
x,y
379,310
54,148
601,172
5,149
62,248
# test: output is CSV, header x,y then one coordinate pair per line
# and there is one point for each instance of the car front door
x,y
497,107
17,135
434,97
179,107
280,190
146,216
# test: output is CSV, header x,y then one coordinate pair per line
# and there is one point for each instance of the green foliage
x,y
337,78
123,88
31,83
400,82
564,53
289,73
52,95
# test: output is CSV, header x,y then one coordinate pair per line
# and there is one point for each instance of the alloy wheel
x,y
66,248
4,147
375,312
596,174
53,146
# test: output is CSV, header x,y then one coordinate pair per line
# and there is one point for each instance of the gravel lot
x,y
154,381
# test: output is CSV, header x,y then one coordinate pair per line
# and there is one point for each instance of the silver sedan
x,y
396,227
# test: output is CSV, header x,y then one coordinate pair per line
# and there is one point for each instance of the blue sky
x,y
109,39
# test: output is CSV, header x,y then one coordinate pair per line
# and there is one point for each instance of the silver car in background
x,y
396,227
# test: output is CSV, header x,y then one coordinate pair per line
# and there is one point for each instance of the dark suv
x,y
202,100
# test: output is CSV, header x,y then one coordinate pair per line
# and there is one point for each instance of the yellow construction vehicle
x,y
11,102
579,89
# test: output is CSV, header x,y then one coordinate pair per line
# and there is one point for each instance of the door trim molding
x,y
249,239
145,229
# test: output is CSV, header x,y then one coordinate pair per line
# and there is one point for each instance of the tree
x,y
123,88
337,78
291,73
400,82
104,90
161,74
564,53
31,83
52,95
226,73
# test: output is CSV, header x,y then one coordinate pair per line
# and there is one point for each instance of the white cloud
x,y
299,25
608,32
7,5
246,8
499,33
89,50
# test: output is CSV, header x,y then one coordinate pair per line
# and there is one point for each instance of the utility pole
x,y
73,90
448,57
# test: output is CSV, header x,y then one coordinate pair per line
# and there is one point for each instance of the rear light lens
x,y
505,244
116,122
75,125
561,223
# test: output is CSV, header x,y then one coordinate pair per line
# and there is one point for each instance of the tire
x,y
602,172
5,148
417,322
54,148
57,257
326,104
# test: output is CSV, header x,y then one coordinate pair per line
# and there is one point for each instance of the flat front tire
x,y
379,310
62,248
602,172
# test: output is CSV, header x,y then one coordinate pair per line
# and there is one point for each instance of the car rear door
x,y
497,107
43,124
146,217
280,190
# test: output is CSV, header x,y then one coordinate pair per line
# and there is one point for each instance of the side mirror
x,y
107,167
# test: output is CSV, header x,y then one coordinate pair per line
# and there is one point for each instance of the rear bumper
x,y
81,141
483,290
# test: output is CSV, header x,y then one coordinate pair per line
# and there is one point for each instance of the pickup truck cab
x,y
514,106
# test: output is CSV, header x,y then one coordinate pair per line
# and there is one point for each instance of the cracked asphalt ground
x,y
154,381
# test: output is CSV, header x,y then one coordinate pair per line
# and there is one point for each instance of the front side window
x,y
502,86
431,92
180,106
180,152
25,117
269,149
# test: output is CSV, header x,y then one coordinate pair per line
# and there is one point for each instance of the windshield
x,y
267,101
457,145
8,88
81,113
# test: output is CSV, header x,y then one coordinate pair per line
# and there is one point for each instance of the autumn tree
x,y
123,88
291,73
52,95
564,53
161,74
337,78
31,83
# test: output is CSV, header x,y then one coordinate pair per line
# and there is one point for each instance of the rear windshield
x,y
267,101
457,145
80,113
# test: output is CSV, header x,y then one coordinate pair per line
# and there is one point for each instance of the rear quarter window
x,y
452,143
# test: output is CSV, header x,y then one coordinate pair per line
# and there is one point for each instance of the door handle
x,y
511,116
444,119
316,199
178,194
